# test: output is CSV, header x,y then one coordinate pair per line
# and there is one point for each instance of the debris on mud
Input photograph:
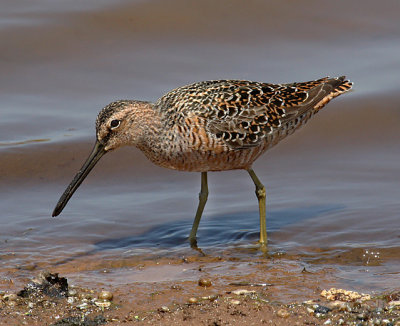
x,y
344,295
46,284
79,321
49,300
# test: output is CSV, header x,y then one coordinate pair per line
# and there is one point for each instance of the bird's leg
x,y
203,195
260,192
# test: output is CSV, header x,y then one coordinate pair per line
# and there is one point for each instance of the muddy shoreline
x,y
241,304
278,293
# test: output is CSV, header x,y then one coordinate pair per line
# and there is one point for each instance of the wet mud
x,y
332,188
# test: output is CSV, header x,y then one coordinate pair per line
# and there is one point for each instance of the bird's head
x,y
119,123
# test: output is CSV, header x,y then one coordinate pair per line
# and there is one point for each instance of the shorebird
x,y
209,126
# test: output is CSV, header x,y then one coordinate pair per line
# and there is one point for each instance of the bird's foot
x,y
193,245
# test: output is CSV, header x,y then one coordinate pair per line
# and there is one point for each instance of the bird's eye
x,y
115,123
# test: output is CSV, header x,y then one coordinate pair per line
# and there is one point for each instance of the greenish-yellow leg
x,y
203,195
260,192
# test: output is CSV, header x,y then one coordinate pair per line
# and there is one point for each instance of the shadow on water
x,y
221,231
216,231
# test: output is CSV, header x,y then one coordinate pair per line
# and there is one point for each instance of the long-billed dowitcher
x,y
209,126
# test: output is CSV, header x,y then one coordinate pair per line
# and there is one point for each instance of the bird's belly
x,y
202,161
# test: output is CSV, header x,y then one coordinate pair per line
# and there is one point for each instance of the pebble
x,y
102,303
211,297
344,295
318,309
310,310
105,295
328,322
394,303
164,309
283,313
70,300
10,297
192,300
72,292
235,302
83,306
243,292
205,282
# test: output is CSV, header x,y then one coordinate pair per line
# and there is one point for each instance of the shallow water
x,y
333,187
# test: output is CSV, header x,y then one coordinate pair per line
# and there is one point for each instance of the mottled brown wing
x,y
256,110
242,113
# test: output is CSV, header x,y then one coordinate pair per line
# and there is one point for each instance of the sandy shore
x,y
222,292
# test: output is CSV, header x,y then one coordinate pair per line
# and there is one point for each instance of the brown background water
x,y
333,188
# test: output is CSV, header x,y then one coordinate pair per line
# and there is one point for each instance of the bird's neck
x,y
149,126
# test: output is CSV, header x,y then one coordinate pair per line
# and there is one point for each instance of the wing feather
x,y
243,113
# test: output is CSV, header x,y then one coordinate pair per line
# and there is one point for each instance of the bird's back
x,y
227,124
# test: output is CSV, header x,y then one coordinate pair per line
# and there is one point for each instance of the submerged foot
x,y
193,245
263,247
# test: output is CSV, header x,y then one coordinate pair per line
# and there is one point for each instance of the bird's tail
x,y
339,86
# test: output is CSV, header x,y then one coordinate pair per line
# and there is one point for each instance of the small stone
x,y
70,300
72,292
328,322
105,295
283,313
243,292
205,282
235,302
212,297
30,305
102,303
164,309
344,295
83,306
192,300
394,303
10,297
321,309
310,310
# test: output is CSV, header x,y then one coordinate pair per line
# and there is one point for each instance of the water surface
x,y
332,188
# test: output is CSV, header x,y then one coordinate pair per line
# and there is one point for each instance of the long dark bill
x,y
97,152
